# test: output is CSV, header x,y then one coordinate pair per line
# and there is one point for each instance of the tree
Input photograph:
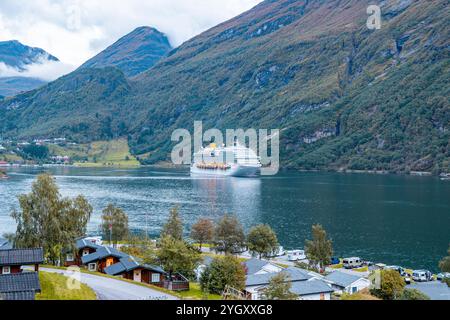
x,y
319,250
222,272
114,224
203,231
413,294
445,263
36,152
262,240
391,287
46,220
176,256
279,288
229,234
141,247
174,225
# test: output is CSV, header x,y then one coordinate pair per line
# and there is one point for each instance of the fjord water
x,y
400,220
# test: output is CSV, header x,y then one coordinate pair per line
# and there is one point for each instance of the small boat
x,y
445,176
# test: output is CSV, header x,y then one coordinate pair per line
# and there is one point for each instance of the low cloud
x,y
76,30
42,69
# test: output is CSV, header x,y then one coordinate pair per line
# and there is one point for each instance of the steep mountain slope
x,y
16,56
344,96
134,53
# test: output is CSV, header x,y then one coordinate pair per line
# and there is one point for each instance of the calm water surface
x,y
392,219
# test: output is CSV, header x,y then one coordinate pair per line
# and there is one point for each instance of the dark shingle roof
x,y
129,263
82,243
342,279
20,296
19,283
13,257
101,253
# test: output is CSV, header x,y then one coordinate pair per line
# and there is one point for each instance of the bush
x,y
222,272
413,294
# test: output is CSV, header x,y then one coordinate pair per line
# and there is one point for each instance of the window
x,y
92,267
85,252
6,270
155,277
69,257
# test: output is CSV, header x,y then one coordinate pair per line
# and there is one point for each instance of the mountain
x,y
134,53
16,57
344,96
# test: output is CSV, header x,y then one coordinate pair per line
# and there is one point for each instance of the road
x,y
112,289
435,290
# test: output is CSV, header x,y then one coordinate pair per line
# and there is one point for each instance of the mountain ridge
x,y
133,53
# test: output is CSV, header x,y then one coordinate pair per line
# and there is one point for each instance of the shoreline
x,y
442,176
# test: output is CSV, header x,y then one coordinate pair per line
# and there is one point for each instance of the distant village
x,y
32,152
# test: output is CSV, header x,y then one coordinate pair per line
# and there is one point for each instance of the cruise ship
x,y
234,161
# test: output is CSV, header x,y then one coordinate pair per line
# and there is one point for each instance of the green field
x,y
115,153
54,287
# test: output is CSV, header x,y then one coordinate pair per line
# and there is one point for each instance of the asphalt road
x,y
111,289
435,290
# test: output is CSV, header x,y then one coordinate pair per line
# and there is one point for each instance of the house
x,y
102,258
129,268
202,266
342,282
257,266
19,286
307,285
12,260
83,248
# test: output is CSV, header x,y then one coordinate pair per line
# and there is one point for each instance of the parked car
x,y
407,278
296,255
422,276
398,269
443,276
354,262
335,261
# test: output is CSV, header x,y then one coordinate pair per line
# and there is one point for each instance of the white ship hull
x,y
234,171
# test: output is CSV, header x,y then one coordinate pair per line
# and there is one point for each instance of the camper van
x,y
354,262
422,276
296,255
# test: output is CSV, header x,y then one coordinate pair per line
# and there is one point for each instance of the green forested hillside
x,y
344,96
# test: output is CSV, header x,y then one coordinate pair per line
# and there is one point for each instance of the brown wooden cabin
x,y
12,260
131,269
83,248
102,258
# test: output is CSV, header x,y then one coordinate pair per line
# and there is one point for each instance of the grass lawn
x,y
195,293
99,153
54,287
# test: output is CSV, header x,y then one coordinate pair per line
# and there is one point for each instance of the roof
x,y
342,279
255,265
129,263
295,274
101,253
313,286
83,243
19,286
12,257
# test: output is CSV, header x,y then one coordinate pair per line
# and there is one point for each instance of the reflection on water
x,y
393,219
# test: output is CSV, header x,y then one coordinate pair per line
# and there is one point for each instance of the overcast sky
x,y
76,30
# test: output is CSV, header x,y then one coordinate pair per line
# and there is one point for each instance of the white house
x,y
257,266
303,283
343,282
